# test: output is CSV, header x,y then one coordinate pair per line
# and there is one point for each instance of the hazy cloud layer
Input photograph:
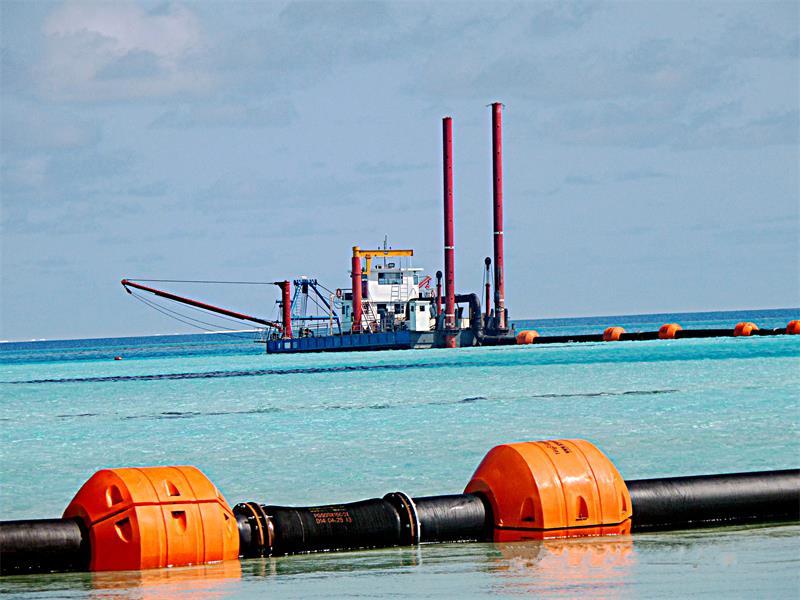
x,y
242,113
96,51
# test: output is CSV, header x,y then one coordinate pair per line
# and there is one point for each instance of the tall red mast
x,y
355,273
449,244
286,304
497,167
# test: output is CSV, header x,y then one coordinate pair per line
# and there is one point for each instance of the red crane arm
x,y
223,311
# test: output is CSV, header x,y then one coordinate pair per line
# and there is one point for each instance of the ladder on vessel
x,y
369,318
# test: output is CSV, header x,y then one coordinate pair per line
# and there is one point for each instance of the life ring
x,y
338,292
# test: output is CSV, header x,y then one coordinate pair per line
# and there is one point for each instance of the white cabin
x,y
386,290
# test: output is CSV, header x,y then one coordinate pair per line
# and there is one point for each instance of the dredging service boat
x,y
391,305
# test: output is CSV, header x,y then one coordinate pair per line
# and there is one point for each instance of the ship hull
x,y
366,342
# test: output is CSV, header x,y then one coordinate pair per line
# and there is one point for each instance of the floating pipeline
x,y
151,517
668,331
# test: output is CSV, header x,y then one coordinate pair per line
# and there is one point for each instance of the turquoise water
x,y
338,427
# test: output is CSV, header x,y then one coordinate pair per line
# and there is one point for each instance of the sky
x,y
650,152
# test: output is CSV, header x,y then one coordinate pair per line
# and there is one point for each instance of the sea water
x,y
324,428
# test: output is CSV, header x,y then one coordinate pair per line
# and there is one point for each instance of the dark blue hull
x,y
388,340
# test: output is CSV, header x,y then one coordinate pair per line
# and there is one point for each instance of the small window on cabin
x,y
421,308
416,279
381,308
398,308
390,278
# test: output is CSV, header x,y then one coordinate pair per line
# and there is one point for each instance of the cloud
x,y
751,37
724,83
304,43
632,123
655,68
323,195
243,113
682,125
388,168
134,64
627,176
66,192
336,16
22,174
580,180
153,189
13,71
29,127
639,175
559,18
117,51
768,130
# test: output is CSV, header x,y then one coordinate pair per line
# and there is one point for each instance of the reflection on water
x,y
204,581
728,561
362,561
584,566
589,567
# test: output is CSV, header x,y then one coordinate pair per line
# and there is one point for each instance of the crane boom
x,y
370,254
126,283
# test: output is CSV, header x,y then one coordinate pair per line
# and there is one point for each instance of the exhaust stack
x,y
438,293
488,277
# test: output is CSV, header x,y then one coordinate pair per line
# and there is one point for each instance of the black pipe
x,y
563,339
279,530
43,546
702,333
638,336
458,517
477,323
394,520
715,500
776,331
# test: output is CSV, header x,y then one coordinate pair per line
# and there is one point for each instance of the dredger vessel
x,y
390,304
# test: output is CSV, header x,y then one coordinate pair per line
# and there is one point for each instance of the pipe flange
x,y
262,531
407,510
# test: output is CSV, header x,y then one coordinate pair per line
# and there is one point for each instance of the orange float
x,y
668,331
793,328
149,517
552,489
527,336
744,329
612,334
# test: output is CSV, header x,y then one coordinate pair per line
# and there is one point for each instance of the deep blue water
x,y
320,428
